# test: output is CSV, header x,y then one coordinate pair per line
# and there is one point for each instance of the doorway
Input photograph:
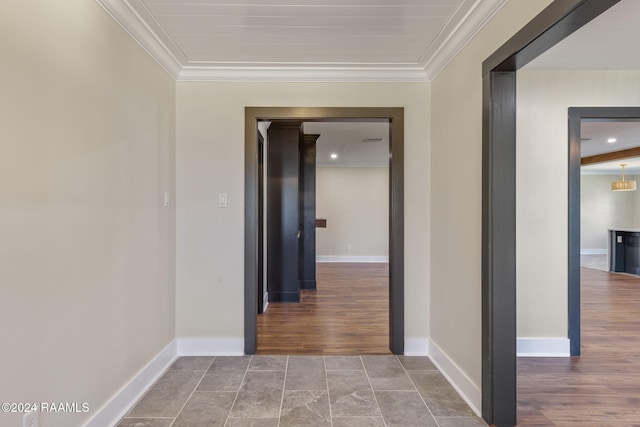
x,y
576,117
395,118
557,21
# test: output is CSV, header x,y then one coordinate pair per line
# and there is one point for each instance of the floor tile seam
x,y
326,379
213,359
284,385
419,394
237,392
190,395
149,418
267,370
145,395
373,392
456,417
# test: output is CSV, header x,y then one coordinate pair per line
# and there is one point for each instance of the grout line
x,y
238,392
150,418
190,395
284,383
418,391
326,377
373,391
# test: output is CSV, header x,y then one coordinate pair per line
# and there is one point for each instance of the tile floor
x,y
305,391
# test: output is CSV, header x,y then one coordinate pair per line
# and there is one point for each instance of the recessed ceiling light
x,y
334,156
611,140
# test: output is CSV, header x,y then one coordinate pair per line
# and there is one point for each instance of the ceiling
x,y
359,40
594,136
351,141
303,40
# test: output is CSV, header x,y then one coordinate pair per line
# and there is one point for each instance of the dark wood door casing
x,y
557,21
395,117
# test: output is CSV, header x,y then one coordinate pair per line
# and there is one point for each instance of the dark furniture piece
x,y
624,250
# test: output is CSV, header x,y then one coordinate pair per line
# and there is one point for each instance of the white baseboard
x,y
352,258
467,389
594,251
210,346
118,406
543,347
416,346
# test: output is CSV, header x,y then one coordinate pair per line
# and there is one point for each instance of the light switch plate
x,y
222,200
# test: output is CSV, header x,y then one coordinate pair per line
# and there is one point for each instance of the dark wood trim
x,y
573,236
576,115
608,157
261,281
557,21
499,249
284,297
307,256
395,117
251,227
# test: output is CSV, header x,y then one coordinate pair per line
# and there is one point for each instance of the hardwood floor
x,y
601,387
347,314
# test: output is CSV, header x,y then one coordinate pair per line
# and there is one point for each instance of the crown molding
x,y
130,19
466,22
301,74
136,19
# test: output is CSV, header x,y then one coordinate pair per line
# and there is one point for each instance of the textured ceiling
x,y
311,40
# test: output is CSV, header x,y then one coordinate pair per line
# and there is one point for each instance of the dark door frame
x,y
395,116
260,267
576,114
553,24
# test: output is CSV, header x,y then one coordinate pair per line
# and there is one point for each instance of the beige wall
x,y
210,160
86,248
355,202
602,209
542,165
456,215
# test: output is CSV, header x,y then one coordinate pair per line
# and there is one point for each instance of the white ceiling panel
x,y
390,40
296,32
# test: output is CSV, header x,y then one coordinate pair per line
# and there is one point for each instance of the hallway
x,y
601,387
347,314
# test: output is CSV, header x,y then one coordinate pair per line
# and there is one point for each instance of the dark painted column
x,y
283,217
499,249
307,251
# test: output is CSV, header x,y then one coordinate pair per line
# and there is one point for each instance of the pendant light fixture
x,y
623,185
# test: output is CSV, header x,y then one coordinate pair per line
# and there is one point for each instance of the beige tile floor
x,y
238,391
